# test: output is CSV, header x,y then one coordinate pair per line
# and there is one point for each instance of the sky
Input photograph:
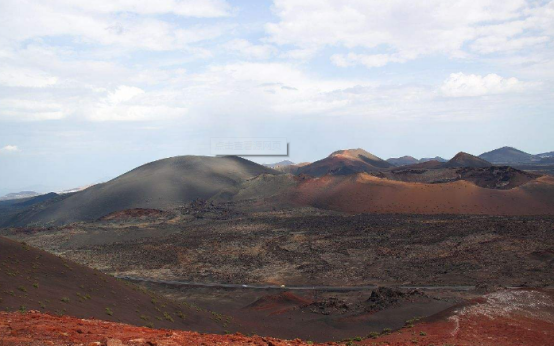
x,y
92,89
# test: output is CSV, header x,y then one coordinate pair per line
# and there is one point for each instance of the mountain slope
x,y
507,155
463,159
345,162
32,279
161,184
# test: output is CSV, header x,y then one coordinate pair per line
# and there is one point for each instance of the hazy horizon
x,y
60,186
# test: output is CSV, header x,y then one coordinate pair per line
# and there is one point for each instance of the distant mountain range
x,y
514,156
20,195
353,161
505,156
349,161
29,194
279,164
409,160
405,160
172,182
437,158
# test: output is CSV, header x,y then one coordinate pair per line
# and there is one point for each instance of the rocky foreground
x,y
34,328
507,317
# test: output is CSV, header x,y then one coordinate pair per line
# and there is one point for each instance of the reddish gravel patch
x,y
279,303
35,328
509,317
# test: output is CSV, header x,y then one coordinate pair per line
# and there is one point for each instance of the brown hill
x,y
31,279
345,162
463,159
366,193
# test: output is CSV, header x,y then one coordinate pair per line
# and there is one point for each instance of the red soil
x,y
35,328
517,317
363,193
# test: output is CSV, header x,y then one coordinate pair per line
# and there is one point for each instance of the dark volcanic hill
x,y
345,162
405,160
507,155
31,279
160,184
463,159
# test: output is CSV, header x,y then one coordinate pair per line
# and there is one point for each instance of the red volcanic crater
x,y
364,193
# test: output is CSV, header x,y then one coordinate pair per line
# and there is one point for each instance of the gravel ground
x,y
222,243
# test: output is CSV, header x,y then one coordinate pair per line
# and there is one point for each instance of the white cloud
x,y
123,94
187,8
299,54
368,60
111,22
131,104
244,91
135,113
248,50
21,109
408,30
493,44
12,76
86,71
462,85
9,149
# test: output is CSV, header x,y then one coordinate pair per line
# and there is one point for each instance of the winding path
x,y
283,287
